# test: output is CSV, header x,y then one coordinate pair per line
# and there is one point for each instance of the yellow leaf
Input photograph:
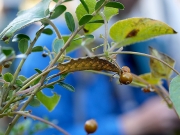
x,y
158,69
133,30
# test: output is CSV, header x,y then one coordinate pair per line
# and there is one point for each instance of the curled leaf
x,y
158,69
49,102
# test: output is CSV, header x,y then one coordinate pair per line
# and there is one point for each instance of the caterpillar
x,y
88,63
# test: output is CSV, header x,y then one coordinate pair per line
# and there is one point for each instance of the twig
x,y
38,76
106,31
55,28
42,120
27,90
50,84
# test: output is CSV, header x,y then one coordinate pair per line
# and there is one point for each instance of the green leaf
x,y
50,87
74,44
36,81
38,70
70,21
8,77
115,5
55,0
49,102
97,21
133,30
58,11
7,51
85,19
110,12
57,45
174,92
37,49
19,82
48,31
35,102
24,18
67,86
158,69
90,27
22,78
23,45
98,4
18,37
85,6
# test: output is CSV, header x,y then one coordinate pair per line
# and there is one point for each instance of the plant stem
x,y
166,96
140,79
18,99
55,28
4,114
8,104
50,84
106,32
27,90
40,75
58,3
42,120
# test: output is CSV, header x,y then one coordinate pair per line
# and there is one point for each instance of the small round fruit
x,y
126,69
90,126
125,78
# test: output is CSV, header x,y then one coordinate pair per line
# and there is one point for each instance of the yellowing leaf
x,y
134,30
158,69
150,79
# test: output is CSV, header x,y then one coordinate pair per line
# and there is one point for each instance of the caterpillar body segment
x,y
88,63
